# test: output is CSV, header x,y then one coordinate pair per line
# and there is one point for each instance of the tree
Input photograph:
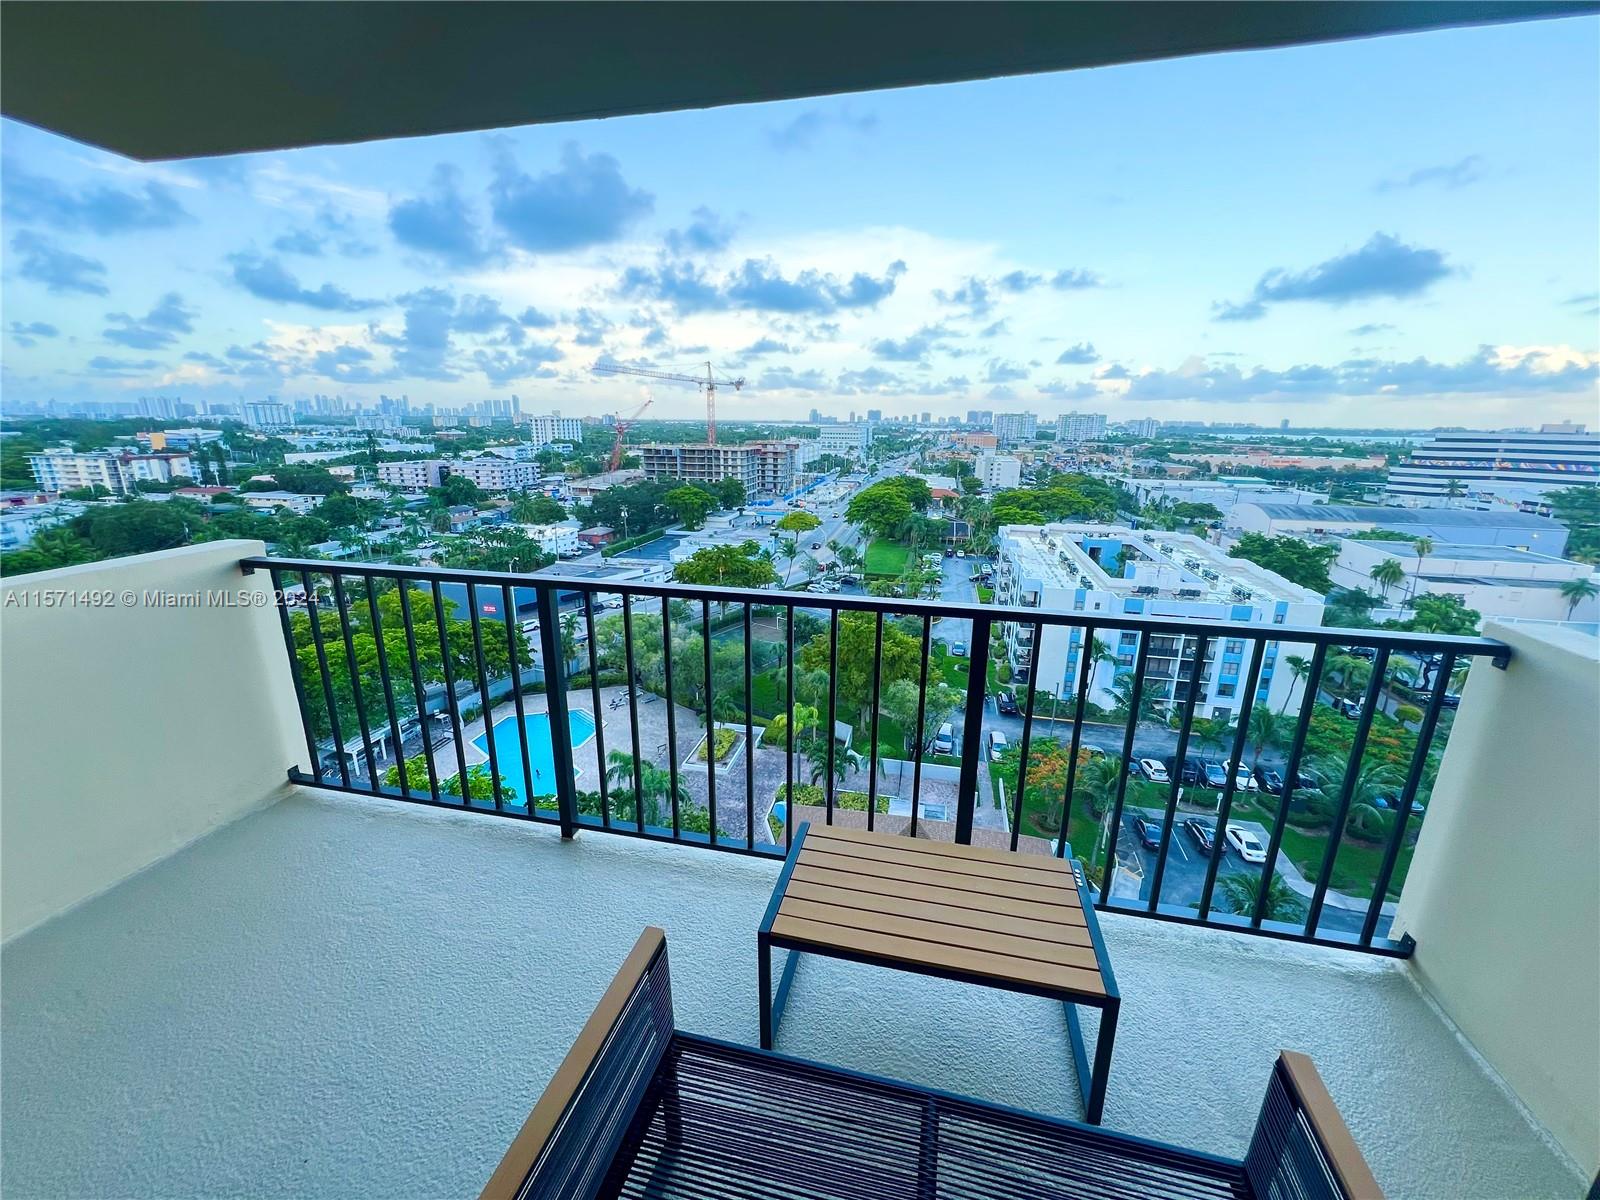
x,y
50,548
530,508
1387,574
690,505
848,557
1299,562
805,720
455,490
852,672
740,566
1578,508
1299,667
1265,731
1149,703
1236,893
657,789
845,760
1576,591
1439,613
731,493
138,527
798,522
343,511
879,510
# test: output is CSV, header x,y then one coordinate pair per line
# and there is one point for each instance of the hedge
x,y
812,795
638,539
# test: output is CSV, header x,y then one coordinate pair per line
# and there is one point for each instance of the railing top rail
x,y
1423,643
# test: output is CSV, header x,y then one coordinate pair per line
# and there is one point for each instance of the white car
x,y
1244,778
1154,771
997,745
1247,844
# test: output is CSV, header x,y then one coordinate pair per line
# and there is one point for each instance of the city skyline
x,y
1399,232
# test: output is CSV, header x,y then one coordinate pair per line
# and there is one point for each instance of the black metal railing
x,y
591,704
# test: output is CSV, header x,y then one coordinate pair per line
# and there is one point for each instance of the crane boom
x,y
622,427
707,384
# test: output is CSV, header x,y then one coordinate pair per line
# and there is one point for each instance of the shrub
x,y
812,795
725,739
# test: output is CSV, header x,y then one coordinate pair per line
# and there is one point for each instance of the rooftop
x,y
1462,551
340,997
1396,517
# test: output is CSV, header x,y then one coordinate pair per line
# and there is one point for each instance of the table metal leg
x,y
1095,1105
764,987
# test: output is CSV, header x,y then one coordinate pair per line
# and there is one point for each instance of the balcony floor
x,y
340,998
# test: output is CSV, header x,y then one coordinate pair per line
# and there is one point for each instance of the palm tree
x,y
1453,491
1300,667
789,548
1576,591
1387,574
655,783
1236,893
1424,547
1266,731
844,761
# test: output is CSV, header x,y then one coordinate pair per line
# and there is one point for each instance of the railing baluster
x,y
788,750
711,722
451,702
314,611
343,606
973,758
632,676
1085,668
1184,727
672,704
398,747
1135,694
294,674
922,715
594,694
1027,733
486,703
872,734
418,690
1291,778
833,702
1347,788
555,698
749,738
508,599
1408,795
1219,842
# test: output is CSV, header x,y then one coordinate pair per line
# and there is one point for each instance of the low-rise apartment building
x,y
765,468
559,538
299,503
1497,581
413,475
495,474
64,470
847,440
1113,570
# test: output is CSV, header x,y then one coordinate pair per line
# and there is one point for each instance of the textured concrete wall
x,y
1503,896
129,729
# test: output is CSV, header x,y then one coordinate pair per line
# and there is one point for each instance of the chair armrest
x,y
1301,1145
570,1137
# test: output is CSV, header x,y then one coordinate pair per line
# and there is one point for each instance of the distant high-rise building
x,y
542,430
266,414
927,418
816,416
1142,427
1284,424
1015,429
982,417
874,414
1489,470
1075,427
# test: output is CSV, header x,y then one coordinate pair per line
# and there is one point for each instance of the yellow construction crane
x,y
622,426
709,385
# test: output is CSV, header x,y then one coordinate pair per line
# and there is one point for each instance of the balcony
x,y
217,982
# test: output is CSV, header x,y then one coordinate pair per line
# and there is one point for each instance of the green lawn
x,y
886,558
1355,870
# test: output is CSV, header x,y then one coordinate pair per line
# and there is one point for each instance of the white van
x,y
997,745
944,742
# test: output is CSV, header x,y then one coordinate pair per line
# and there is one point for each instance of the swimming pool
x,y
508,749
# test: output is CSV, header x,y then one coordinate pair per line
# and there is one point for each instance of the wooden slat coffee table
x,y
1019,922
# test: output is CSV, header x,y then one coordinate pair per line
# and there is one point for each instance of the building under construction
x,y
765,468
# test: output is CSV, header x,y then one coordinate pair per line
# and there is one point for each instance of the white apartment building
x,y
495,474
552,427
559,538
177,439
1015,429
266,414
996,471
1496,470
299,503
1143,427
413,475
1222,494
1112,570
1075,427
66,470
850,441
1497,581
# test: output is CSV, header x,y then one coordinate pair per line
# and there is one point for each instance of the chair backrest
x,y
1301,1149
568,1141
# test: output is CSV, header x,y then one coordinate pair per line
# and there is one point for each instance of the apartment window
x,y
1129,637
1125,660
1077,604
1227,687
1277,618
1234,646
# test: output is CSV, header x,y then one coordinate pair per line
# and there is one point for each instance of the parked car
x,y
949,553
1450,700
961,553
1271,781
1191,773
1149,831
997,745
1006,703
1350,708
1152,770
944,742
1247,845
1216,775
1205,836
959,649
1244,780
611,602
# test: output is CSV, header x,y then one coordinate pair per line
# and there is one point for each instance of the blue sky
x,y
1403,231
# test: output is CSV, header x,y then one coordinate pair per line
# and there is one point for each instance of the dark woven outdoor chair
x,y
641,1109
